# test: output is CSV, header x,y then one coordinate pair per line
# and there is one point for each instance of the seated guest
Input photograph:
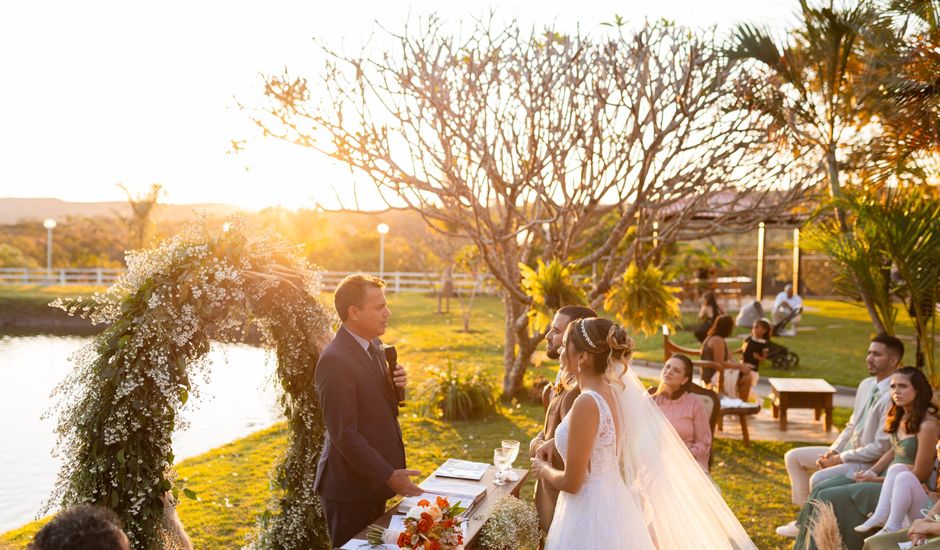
x,y
87,527
748,314
756,347
861,442
707,313
82,527
923,533
715,348
914,433
903,497
784,304
902,494
684,411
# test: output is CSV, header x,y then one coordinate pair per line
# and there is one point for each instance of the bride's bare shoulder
x,y
584,406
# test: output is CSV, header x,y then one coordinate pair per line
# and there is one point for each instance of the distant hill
x,y
13,210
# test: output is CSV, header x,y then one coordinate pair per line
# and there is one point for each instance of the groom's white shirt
x,y
870,437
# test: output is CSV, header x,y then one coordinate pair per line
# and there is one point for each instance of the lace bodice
x,y
605,457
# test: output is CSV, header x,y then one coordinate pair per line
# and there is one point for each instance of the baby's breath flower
x,y
119,407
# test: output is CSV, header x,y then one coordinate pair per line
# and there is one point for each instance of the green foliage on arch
x,y
119,407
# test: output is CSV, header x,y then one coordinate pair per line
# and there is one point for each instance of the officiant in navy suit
x,y
362,463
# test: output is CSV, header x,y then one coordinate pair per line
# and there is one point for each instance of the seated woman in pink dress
x,y
684,411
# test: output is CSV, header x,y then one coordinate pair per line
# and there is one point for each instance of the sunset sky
x,y
100,93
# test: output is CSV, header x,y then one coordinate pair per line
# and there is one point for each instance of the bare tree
x,y
522,141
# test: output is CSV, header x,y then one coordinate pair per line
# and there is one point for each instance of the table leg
x,y
744,435
783,412
828,406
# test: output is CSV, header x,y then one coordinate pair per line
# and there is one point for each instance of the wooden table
x,y
801,393
479,514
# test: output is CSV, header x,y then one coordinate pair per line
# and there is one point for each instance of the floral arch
x,y
119,407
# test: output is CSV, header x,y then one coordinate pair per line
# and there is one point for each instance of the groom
x,y
559,402
362,463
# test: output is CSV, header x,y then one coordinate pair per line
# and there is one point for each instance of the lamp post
x,y
49,224
382,228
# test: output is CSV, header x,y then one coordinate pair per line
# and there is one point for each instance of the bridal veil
x,y
682,506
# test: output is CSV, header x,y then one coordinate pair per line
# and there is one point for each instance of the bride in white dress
x,y
629,481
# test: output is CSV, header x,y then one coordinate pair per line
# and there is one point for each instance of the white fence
x,y
398,281
66,276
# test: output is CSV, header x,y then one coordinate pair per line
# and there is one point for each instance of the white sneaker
x,y
789,530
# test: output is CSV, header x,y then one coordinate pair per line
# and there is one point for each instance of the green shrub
x,y
452,395
550,286
642,301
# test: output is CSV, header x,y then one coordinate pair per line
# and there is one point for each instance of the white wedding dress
x,y
667,502
604,513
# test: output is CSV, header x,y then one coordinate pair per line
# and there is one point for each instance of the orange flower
x,y
403,540
424,525
427,516
442,503
423,503
432,545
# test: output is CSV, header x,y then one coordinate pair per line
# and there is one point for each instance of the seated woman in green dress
x,y
914,432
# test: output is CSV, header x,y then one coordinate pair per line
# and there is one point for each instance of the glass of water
x,y
513,447
502,461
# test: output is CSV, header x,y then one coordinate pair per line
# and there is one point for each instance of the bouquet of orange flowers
x,y
427,527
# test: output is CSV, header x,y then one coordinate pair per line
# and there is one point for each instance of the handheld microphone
x,y
391,356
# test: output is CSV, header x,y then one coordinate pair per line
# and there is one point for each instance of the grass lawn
x,y
832,342
40,296
232,481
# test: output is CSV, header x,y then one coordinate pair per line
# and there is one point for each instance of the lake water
x,y
239,398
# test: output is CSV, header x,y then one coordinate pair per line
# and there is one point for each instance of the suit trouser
x,y
804,475
346,519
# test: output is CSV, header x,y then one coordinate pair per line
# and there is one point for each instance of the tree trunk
x,y
835,190
469,309
520,346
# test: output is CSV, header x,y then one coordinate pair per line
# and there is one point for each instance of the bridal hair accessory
x,y
585,334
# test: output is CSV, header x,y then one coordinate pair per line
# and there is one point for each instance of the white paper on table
x,y
397,523
461,469
359,544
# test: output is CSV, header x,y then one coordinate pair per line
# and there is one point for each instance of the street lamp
x,y
49,224
382,228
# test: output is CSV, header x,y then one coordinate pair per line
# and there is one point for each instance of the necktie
x,y
374,354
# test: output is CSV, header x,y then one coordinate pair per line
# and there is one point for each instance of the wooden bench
x,y
670,348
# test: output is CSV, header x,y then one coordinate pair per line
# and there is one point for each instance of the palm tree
x,y
904,82
811,85
142,207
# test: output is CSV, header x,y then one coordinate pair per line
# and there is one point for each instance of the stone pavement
x,y
763,426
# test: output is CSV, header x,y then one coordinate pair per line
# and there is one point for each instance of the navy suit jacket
x,y
363,443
